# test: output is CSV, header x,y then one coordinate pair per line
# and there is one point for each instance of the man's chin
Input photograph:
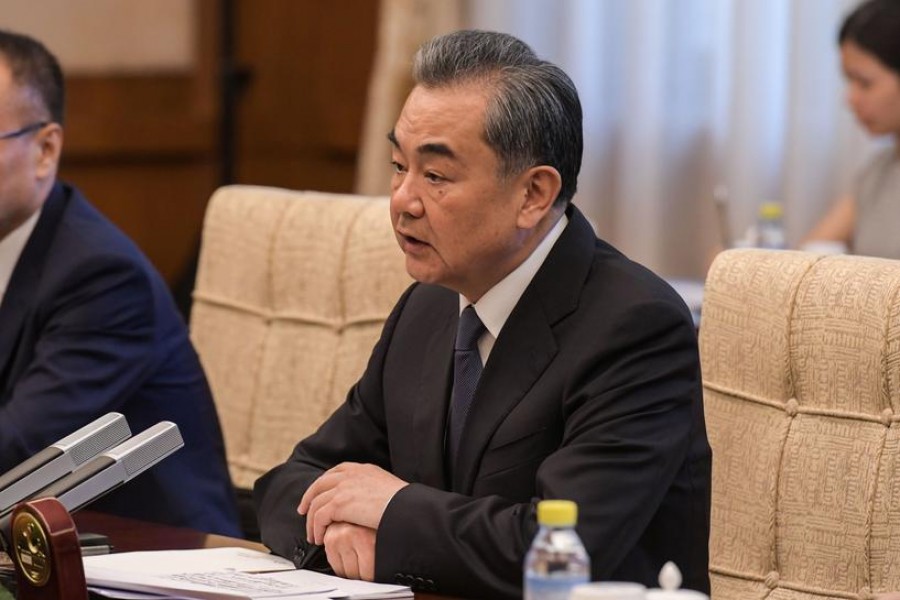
x,y
422,273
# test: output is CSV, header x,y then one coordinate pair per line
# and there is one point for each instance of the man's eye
x,y
433,177
398,168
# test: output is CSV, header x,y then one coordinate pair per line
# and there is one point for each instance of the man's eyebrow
x,y
430,148
435,148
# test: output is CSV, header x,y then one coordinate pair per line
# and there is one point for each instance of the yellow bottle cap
x,y
770,210
557,513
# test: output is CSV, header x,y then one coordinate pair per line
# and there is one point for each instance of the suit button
x,y
299,554
418,583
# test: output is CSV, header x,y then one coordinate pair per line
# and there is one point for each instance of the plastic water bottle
x,y
557,560
770,227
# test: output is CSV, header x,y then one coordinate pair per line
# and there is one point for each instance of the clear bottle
x,y
770,227
557,560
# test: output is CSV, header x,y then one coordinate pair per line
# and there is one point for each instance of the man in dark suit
x,y
87,325
589,384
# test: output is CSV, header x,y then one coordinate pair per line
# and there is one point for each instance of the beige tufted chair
x,y
291,294
801,368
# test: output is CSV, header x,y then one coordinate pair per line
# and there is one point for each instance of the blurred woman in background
x,y
868,220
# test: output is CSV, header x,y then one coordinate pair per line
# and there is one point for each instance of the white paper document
x,y
225,574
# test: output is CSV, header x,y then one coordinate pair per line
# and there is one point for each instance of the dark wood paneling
x,y
301,115
142,147
158,203
112,117
146,148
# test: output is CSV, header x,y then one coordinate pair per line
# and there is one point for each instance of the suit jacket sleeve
x,y
94,349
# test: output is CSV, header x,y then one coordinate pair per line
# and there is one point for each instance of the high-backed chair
x,y
291,294
801,369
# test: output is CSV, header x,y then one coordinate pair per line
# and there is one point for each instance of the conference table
x,y
127,535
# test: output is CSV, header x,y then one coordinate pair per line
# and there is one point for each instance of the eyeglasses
x,y
23,130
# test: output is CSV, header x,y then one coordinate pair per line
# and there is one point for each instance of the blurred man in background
x,y
87,326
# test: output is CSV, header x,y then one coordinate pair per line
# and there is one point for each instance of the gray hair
x,y
534,115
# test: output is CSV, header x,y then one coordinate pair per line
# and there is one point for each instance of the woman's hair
x,y
874,26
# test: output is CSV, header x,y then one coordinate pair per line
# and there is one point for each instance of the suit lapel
x,y
526,345
25,279
430,412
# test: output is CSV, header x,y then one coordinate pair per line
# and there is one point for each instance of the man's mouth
x,y
410,240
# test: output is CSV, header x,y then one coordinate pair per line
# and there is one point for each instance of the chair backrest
x,y
292,291
801,369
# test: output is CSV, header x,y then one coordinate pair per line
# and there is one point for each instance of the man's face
x,y
454,217
23,160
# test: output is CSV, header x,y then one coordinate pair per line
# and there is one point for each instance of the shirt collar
x,y
11,249
495,306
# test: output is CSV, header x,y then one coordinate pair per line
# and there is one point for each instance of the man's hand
x,y
350,493
351,550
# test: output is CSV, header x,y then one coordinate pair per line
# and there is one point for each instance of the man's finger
x,y
322,484
365,557
335,561
351,563
324,518
319,517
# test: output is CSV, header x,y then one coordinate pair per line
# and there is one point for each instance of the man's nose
x,y
405,197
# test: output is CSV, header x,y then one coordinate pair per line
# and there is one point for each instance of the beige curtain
x,y
684,96
403,26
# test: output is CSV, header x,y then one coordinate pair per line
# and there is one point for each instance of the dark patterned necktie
x,y
466,372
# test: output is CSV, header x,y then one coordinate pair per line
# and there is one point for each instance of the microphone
x,y
60,459
111,469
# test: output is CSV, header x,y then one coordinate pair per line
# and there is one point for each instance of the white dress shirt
x,y
494,307
11,249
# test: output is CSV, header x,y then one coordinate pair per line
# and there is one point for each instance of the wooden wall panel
x,y
142,152
145,148
300,117
160,204
115,116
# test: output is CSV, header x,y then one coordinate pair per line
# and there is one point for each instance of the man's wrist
x,y
388,503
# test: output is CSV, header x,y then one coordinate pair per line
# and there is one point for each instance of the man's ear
x,y
48,149
541,186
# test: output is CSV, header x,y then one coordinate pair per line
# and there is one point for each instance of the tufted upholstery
x,y
801,366
291,294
